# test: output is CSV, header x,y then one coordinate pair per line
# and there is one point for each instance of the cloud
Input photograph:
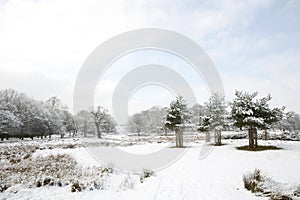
x,y
254,44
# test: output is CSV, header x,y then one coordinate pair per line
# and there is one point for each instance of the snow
x,y
218,176
245,112
144,149
170,115
81,155
257,120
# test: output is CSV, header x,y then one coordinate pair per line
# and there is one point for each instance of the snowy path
x,y
219,176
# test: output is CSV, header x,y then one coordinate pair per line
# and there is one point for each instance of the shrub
x,y
3,188
75,187
297,192
26,156
280,197
70,146
108,170
146,174
127,183
252,182
98,185
45,181
264,186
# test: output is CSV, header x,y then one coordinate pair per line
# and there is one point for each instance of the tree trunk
x,y
215,136
250,137
207,136
176,137
255,137
265,134
181,137
84,128
218,138
98,131
138,133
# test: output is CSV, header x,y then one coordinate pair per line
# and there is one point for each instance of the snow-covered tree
x,y
56,115
32,117
252,113
136,123
177,116
290,122
216,111
69,123
99,115
109,124
204,126
85,122
56,102
151,120
8,122
154,119
197,111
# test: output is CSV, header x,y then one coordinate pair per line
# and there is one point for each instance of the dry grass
x,y
19,167
266,187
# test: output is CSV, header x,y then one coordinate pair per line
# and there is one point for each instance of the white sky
x,y
254,44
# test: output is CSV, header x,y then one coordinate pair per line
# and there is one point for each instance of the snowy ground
x,y
218,176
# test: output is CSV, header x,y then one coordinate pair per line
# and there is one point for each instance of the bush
x,y
108,170
127,183
75,187
252,182
280,197
297,192
146,174
264,186
97,185
3,188
70,146
46,181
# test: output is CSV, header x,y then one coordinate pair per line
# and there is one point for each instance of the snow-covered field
x,y
218,176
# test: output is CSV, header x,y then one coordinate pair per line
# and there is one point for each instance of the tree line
x,y
22,116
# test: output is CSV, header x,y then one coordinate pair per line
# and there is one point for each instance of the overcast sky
x,y
254,44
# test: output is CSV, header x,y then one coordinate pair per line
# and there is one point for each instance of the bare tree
x,y
85,122
136,123
99,115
